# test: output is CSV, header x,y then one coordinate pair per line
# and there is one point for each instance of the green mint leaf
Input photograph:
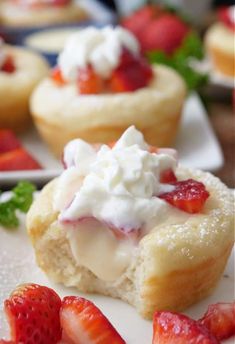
x,y
8,216
23,195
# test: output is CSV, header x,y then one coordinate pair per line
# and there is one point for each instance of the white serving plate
x,y
196,143
17,265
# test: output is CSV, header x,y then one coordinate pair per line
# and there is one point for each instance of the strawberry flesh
x,y
33,314
83,323
18,159
89,82
220,320
8,65
57,77
174,328
8,141
188,195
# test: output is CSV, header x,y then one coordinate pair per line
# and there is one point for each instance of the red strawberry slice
x,y
168,176
138,20
33,314
225,17
220,320
174,328
189,195
8,141
82,323
165,33
57,77
8,65
89,82
132,76
18,159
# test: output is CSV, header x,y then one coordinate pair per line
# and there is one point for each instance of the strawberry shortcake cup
x,y
219,41
101,86
126,221
20,71
33,13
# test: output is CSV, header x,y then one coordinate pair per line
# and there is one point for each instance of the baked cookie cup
x,y
13,15
176,264
154,110
219,42
16,87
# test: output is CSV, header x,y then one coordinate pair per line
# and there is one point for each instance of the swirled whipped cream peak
x,y
99,48
116,186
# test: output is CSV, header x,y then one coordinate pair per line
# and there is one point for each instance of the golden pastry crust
x,y
176,264
155,110
16,88
219,41
16,16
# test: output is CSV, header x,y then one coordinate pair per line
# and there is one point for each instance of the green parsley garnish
x,y
21,199
191,48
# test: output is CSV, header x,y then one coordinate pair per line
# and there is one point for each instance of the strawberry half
x,y
89,82
8,65
131,74
138,20
168,176
174,328
165,33
33,314
83,323
220,320
189,195
8,141
18,159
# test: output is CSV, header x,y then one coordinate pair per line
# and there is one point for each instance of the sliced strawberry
x,y
189,195
89,82
225,17
8,141
174,328
8,65
33,314
138,20
168,176
18,159
220,320
82,322
165,33
130,77
57,77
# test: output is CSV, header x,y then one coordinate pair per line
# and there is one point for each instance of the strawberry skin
x,y
168,176
82,323
174,328
18,159
224,17
189,195
33,314
165,33
8,141
220,320
3,341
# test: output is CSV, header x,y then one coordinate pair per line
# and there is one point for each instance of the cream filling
x,y
95,247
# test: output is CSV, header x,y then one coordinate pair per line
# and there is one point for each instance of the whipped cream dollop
x,y
117,186
101,48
